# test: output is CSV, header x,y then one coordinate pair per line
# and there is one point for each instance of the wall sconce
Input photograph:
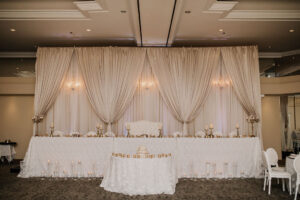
x,y
73,84
147,84
221,82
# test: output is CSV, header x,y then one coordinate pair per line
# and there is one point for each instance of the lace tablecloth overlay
x,y
140,176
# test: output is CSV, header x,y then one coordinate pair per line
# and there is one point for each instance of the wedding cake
x,y
142,150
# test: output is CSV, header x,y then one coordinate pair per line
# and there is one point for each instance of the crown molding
x,y
278,54
42,15
261,54
262,15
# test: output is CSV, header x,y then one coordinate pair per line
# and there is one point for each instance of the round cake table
x,y
140,176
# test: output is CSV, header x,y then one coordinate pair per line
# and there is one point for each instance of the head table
x,y
193,157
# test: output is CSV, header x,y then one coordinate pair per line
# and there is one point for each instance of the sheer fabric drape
x,y
241,64
184,78
110,75
73,111
51,67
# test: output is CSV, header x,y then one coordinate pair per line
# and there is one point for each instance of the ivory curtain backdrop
x,y
110,75
51,67
72,110
184,78
241,64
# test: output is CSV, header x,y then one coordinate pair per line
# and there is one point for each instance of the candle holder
x,y
206,132
252,120
211,135
128,131
160,133
237,132
98,131
51,131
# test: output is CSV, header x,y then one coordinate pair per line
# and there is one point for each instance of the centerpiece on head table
x,y
142,151
211,128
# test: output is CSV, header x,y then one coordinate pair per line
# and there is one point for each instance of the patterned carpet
x,y
12,187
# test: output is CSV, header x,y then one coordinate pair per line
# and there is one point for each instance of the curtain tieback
x,y
37,119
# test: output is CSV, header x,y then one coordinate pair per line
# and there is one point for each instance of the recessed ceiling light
x,y
187,12
123,11
291,30
12,30
88,30
221,30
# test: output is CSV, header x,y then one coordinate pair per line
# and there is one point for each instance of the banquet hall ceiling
x,y
272,24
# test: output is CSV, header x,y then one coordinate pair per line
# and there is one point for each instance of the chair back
x,y
266,162
272,157
297,164
144,128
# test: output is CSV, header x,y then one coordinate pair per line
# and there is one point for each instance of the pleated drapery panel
x,y
51,67
184,78
110,75
241,64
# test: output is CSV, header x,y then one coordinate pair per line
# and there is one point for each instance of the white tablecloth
x,y
140,176
195,157
218,157
66,157
7,151
289,165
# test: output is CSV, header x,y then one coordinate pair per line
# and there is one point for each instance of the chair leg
x,y
296,192
278,181
290,186
283,184
269,192
265,182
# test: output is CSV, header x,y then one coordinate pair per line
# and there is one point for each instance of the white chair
x,y
145,128
273,159
273,173
297,169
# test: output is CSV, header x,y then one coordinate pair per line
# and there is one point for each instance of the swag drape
x,y
51,67
184,78
110,75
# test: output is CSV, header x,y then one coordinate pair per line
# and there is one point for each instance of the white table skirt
x,y
140,176
66,157
195,157
8,151
289,166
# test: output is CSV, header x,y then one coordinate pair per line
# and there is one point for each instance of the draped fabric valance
x,y
184,77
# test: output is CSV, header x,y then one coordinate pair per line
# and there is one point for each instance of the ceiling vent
x,y
222,5
88,5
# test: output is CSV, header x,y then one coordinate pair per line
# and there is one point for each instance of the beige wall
x,y
280,85
271,123
15,121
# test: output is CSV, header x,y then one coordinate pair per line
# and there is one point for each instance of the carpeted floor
x,y
12,187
